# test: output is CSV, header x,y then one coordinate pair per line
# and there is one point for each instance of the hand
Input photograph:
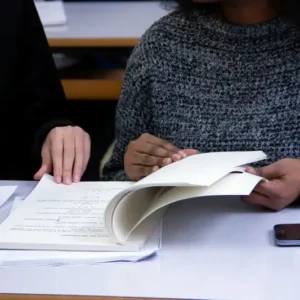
x,y
283,186
65,152
149,153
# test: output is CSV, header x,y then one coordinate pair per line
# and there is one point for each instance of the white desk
x,y
112,24
212,249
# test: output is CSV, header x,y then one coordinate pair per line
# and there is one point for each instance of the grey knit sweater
x,y
200,83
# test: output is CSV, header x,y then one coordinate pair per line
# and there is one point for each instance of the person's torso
x,y
217,92
12,108
9,23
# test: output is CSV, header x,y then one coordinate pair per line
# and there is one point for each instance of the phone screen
x,y
287,232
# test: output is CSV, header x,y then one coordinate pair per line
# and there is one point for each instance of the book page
x,y
129,211
61,217
234,184
201,169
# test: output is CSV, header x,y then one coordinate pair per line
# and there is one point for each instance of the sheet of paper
x,y
17,200
234,184
5,193
19,258
62,217
202,169
51,13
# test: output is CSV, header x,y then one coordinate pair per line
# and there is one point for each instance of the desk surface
x,y
105,24
212,249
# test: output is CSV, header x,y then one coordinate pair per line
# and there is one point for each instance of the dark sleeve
x,y
40,86
133,113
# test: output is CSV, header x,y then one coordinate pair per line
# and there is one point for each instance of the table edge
x,y
93,42
68,297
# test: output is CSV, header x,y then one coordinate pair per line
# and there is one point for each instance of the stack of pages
x,y
94,222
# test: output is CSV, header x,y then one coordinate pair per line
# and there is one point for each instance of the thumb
x,y
268,172
46,166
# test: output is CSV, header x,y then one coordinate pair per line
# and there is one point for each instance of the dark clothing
x,y
32,98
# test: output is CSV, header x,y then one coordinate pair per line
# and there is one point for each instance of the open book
x,y
120,216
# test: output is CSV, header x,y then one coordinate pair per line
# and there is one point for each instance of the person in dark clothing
x,y
37,136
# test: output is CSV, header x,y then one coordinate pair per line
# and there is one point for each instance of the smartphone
x,y
287,235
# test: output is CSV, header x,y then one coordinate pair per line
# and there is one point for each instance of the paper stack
x,y
27,258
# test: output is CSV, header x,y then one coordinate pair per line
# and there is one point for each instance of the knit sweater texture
x,y
202,83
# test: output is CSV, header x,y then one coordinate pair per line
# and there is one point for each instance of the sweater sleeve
x,y
41,93
133,113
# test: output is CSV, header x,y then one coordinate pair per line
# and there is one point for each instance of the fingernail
x,y
176,157
168,160
182,153
67,180
76,178
57,179
156,168
251,170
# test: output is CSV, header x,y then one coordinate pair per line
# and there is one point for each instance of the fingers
x,y
271,194
68,150
56,150
145,159
151,149
281,187
46,166
256,199
79,157
184,153
188,152
165,162
44,169
82,153
269,172
151,139
177,157
138,172
262,200
149,153
68,158
86,151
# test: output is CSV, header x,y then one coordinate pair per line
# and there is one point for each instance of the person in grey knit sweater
x,y
215,76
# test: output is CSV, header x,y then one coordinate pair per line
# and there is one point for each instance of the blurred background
x,y
91,41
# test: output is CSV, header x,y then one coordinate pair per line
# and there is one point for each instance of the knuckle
x,y
78,131
144,136
77,128
55,131
147,159
131,144
67,169
152,149
56,149
165,144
